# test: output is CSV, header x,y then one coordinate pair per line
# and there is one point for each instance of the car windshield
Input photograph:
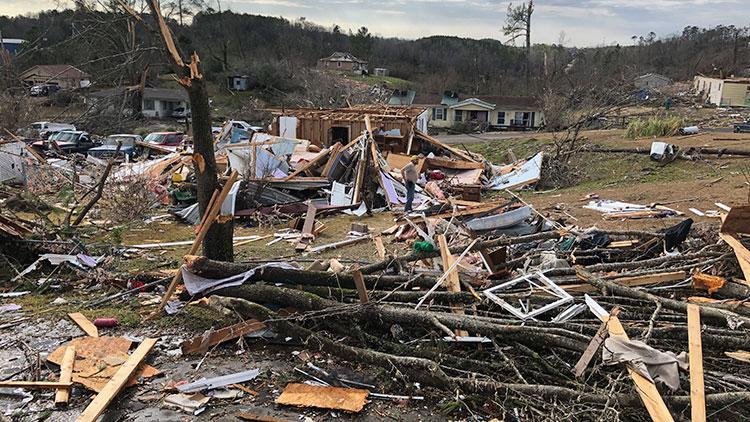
x,y
156,138
65,137
127,141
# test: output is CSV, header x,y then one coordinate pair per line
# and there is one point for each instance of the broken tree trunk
x,y
218,240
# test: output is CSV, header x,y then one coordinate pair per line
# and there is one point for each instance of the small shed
x,y
238,83
380,71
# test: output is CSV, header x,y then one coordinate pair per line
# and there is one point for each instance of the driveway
x,y
475,138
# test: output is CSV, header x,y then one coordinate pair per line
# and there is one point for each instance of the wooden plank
x,y
117,382
87,326
453,284
740,251
379,247
593,347
307,228
646,389
695,349
246,416
35,384
439,144
359,281
737,220
642,280
62,395
208,219
310,164
200,344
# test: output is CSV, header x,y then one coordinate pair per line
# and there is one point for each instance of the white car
x,y
45,128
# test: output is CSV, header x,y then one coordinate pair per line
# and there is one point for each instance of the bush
x,y
654,126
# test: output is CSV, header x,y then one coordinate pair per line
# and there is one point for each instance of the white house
x,y
651,81
723,92
498,112
156,102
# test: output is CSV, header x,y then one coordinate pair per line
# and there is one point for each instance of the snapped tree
x,y
218,241
517,25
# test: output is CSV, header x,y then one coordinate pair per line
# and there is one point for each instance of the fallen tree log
x,y
430,374
490,244
204,267
372,311
675,305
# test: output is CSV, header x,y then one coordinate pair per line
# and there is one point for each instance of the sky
x,y
581,23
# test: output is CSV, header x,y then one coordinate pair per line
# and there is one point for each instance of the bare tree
x,y
517,25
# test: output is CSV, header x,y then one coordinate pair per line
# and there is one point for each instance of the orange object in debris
x,y
710,283
303,395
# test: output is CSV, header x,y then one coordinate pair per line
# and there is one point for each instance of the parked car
x,y
742,127
180,113
241,124
42,130
43,90
170,139
68,141
109,147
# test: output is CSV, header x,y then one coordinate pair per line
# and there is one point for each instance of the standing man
x,y
410,175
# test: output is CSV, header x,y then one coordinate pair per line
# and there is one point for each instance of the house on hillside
x,y
651,81
238,83
63,75
498,112
723,92
343,62
380,71
11,45
156,102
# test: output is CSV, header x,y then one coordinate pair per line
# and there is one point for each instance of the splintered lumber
x,y
307,228
379,247
87,326
341,243
634,281
308,165
200,344
593,347
41,385
453,283
117,382
359,282
62,395
334,398
697,392
646,389
246,416
441,145
737,221
209,217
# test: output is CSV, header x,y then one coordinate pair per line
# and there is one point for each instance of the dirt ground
x,y
43,326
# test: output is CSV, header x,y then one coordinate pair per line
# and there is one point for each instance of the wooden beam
x,y
695,349
87,326
593,347
307,228
310,164
117,382
62,395
379,247
453,283
646,389
359,281
208,219
35,384
641,280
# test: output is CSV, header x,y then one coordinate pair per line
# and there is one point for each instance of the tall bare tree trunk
x,y
529,11
218,241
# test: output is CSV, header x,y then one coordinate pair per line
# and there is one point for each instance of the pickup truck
x,y
68,141
742,127
109,146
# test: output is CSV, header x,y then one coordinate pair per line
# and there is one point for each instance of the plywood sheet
x,y
335,398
